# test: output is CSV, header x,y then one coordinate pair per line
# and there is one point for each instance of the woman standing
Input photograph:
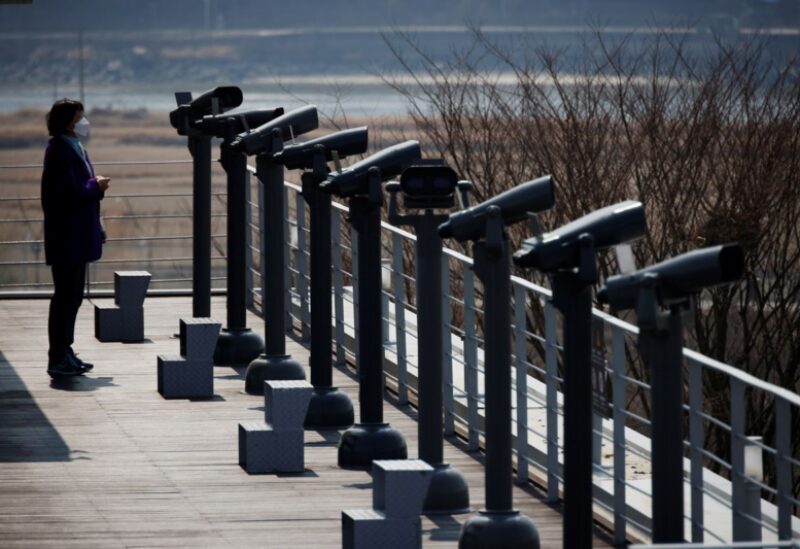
x,y
71,194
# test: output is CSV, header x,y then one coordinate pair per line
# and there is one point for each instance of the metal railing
x,y
718,488
134,212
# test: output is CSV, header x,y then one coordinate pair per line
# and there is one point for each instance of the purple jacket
x,y
71,204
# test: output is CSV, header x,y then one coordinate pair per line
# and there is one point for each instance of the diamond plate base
x,y
264,450
368,529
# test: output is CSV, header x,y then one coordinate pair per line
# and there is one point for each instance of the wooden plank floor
x,y
104,461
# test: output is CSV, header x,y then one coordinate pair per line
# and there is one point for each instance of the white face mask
x,y
82,127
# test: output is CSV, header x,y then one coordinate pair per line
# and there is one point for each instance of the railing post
x,y
551,364
471,360
301,261
262,230
398,285
783,467
738,489
447,350
338,287
753,476
696,438
618,394
354,277
248,239
386,287
287,257
521,355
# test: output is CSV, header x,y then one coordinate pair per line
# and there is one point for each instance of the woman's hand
x,y
103,182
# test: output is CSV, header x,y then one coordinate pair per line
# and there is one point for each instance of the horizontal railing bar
x,y
143,195
156,292
722,545
105,163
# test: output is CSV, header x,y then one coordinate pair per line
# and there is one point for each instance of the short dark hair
x,y
61,115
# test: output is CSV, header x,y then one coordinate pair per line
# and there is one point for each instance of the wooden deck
x,y
104,461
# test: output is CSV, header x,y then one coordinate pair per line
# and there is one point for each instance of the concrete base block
x,y
107,322
130,288
132,324
264,450
198,337
368,528
286,403
181,378
113,323
400,486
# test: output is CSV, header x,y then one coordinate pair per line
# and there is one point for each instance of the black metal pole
x,y
235,165
366,218
492,267
270,175
274,363
321,359
572,296
429,329
500,525
200,148
371,439
237,345
662,350
329,408
448,491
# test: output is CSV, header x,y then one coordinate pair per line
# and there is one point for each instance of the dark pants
x,y
68,280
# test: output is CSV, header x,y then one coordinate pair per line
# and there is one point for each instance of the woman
x,y
71,194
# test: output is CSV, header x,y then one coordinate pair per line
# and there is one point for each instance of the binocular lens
x,y
414,184
443,184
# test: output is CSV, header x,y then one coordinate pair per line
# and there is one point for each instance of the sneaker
x,y
64,367
87,367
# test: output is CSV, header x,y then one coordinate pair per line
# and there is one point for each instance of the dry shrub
x,y
707,139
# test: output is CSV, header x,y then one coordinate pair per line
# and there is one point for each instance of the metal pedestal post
x,y
448,492
572,296
237,345
200,148
329,408
370,439
274,363
661,346
499,525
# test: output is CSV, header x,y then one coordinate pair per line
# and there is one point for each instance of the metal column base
x,y
237,347
448,493
329,409
363,443
272,367
499,529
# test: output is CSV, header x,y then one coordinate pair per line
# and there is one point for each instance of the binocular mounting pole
x,y
200,149
572,295
237,344
448,492
274,363
370,439
661,347
329,408
500,525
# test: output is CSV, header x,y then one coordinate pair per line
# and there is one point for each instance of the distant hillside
x,y
72,15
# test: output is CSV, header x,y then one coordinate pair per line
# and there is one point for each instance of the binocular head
x,y
235,122
607,226
514,205
355,179
677,278
225,97
345,143
428,187
286,126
